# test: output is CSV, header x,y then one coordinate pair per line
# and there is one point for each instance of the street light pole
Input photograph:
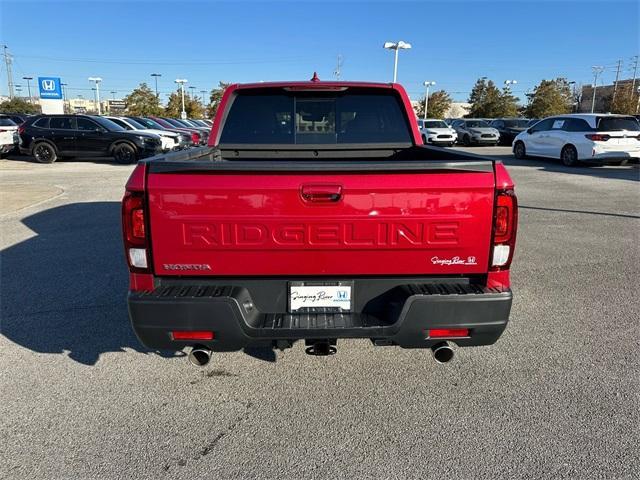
x,y
193,91
203,92
64,97
155,76
181,82
396,46
596,71
426,98
28,79
97,81
113,94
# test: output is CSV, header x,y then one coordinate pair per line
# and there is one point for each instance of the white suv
x,y
437,132
595,138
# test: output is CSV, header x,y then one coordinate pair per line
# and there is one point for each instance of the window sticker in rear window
x,y
557,124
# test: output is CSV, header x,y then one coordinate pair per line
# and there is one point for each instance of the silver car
x,y
473,131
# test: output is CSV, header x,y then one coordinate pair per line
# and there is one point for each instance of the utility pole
x,y
635,72
597,70
7,61
615,83
338,71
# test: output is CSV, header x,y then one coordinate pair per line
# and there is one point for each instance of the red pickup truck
x,y
316,214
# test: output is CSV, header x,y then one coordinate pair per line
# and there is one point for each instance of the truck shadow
x,y
64,289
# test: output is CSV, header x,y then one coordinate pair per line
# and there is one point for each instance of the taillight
x,y
134,231
598,137
21,129
195,137
505,219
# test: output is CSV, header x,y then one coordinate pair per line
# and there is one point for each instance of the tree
x,y
488,101
18,105
215,97
143,101
550,97
438,105
626,101
192,106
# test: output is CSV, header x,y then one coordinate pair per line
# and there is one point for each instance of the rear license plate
x,y
320,297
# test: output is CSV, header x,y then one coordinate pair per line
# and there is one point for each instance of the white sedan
x,y
437,132
593,138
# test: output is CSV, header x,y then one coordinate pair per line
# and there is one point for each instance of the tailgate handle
x,y
321,193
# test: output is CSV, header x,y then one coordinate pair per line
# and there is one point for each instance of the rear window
x,y
516,123
42,122
315,118
435,124
612,124
7,122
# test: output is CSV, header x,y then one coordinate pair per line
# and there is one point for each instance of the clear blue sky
x,y
454,42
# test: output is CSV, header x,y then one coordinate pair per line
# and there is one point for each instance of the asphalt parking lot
x,y
556,397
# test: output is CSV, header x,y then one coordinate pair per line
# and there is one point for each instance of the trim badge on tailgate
x,y
454,261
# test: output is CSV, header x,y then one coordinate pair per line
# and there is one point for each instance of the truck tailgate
x,y
331,224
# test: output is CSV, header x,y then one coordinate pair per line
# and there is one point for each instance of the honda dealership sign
x,y
50,89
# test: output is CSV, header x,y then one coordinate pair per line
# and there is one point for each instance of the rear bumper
x,y
400,316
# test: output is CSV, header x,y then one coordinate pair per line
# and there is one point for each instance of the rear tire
x,y
519,151
569,156
44,153
123,153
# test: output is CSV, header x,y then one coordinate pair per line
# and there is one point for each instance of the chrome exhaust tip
x,y
442,352
199,356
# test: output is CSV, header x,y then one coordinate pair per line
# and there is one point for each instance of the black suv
x,y
509,128
49,137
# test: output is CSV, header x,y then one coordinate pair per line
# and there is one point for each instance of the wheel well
x,y
122,142
35,143
570,145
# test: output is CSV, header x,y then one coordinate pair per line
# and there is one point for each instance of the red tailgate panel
x,y
219,224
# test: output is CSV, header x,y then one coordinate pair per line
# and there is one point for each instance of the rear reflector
x,y
138,257
448,332
192,335
500,255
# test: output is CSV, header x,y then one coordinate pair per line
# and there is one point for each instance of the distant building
x,y
604,95
456,110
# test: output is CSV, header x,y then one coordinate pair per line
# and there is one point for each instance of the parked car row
x,y
126,139
471,131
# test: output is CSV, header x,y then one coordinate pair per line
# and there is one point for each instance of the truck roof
x,y
313,84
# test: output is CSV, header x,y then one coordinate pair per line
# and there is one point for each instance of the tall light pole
x,y
97,81
64,97
426,98
596,71
181,82
193,91
203,92
396,46
113,94
28,79
155,76
18,90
